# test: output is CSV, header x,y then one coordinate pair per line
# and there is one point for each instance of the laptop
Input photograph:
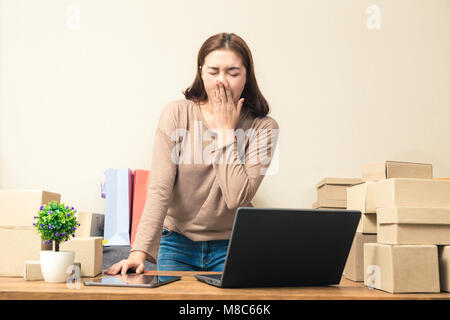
x,y
286,247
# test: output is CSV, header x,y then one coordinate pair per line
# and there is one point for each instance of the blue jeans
x,y
179,253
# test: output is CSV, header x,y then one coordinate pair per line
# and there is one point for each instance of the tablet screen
x,y
133,280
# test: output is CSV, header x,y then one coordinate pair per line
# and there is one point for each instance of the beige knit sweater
x,y
195,186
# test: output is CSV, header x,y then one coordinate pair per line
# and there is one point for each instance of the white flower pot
x,y
54,265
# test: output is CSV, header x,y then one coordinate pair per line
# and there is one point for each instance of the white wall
x,y
75,101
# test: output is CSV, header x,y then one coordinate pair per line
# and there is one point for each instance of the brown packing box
x,y
412,225
334,188
367,224
354,267
329,204
338,181
89,252
362,197
396,169
398,192
401,268
332,192
18,244
91,224
444,267
32,270
19,207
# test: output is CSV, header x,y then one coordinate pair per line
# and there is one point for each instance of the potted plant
x,y
56,223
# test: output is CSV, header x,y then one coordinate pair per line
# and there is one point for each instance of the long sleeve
x,y
239,178
161,180
198,198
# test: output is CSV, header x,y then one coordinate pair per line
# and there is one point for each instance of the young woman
x,y
210,154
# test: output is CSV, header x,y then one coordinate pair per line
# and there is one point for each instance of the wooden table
x,y
189,288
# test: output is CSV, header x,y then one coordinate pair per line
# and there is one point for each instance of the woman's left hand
x,y
226,113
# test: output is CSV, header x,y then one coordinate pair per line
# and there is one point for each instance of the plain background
x,y
82,85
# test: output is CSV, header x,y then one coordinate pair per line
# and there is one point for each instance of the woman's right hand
x,y
135,260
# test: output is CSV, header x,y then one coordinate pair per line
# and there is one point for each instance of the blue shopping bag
x,y
118,193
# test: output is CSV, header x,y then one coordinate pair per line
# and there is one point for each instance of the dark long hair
x,y
255,103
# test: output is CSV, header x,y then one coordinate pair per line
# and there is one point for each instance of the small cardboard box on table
x,y
401,268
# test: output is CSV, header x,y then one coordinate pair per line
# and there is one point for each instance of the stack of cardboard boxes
x,y
400,244
19,239
21,244
332,193
413,234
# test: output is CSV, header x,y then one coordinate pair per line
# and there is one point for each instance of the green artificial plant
x,y
56,223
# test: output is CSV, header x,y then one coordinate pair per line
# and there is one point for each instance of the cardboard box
x,y
338,181
32,270
396,169
332,192
330,204
427,193
18,244
444,267
367,224
19,207
412,225
401,268
334,188
362,197
89,252
91,224
354,267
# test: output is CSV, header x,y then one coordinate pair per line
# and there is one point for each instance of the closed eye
x,y
233,75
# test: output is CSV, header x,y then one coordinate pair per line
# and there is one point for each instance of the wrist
x,y
225,136
141,255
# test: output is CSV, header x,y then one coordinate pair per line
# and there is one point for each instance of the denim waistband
x,y
183,240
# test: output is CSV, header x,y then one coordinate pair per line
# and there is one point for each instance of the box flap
x,y
413,215
339,181
397,169
376,171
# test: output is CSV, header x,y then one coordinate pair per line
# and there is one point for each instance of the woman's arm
x,y
161,180
239,179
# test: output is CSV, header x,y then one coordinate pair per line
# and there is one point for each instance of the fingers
x,y
216,92
239,105
122,265
125,265
217,99
228,93
114,269
124,269
140,269
223,95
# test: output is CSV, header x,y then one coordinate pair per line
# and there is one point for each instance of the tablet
x,y
132,280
